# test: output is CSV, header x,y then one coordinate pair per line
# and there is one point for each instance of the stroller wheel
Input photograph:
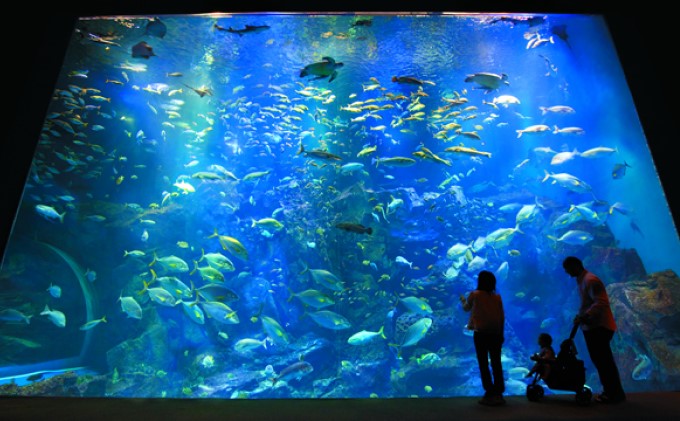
x,y
584,396
535,392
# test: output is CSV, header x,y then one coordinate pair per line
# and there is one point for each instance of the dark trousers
x,y
597,341
488,348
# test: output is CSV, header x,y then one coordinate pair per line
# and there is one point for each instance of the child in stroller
x,y
566,373
544,359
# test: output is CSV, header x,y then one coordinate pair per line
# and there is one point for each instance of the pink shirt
x,y
487,312
594,302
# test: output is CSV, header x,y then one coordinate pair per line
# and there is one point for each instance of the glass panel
x,y
290,205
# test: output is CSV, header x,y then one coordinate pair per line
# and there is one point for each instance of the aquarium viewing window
x,y
289,205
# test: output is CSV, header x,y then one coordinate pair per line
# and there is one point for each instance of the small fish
x,y
275,331
574,237
416,305
598,151
90,275
619,207
410,80
402,261
558,109
256,317
619,170
269,223
416,332
79,73
134,253
10,315
294,371
467,150
363,337
318,153
538,128
130,307
49,213
350,167
313,298
352,227
54,290
246,345
367,150
568,130
92,323
330,320
395,161
55,316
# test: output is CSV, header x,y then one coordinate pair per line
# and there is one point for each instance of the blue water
x,y
142,160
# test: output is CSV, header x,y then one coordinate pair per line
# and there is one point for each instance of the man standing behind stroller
x,y
597,323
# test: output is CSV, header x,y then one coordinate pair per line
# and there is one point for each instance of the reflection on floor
x,y
640,406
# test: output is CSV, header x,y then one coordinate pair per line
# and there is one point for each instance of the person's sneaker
x,y
486,400
498,400
494,400
606,399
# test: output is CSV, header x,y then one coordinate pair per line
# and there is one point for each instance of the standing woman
x,y
487,320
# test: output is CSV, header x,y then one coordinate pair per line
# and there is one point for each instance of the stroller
x,y
567,373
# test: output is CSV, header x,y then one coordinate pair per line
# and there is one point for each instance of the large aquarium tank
x,y
289,205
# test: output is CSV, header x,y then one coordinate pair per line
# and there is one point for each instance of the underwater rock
x,y
330,387
68,384
142,356
412,378
613,264
362,378
240,380
245,382
647,312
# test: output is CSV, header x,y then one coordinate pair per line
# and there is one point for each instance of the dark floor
x,y
640,406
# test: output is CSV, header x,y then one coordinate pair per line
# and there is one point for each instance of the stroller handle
x,y
573,331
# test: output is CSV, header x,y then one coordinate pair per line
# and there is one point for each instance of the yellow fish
x,y
232,245
471,151
367,151
268,223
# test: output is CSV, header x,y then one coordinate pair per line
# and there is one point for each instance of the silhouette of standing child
x,y
544,358
487,320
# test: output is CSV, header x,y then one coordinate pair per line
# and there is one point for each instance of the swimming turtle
x,y
325,68
488,81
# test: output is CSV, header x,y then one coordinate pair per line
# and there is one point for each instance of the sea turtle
x,y
488,81
325,68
